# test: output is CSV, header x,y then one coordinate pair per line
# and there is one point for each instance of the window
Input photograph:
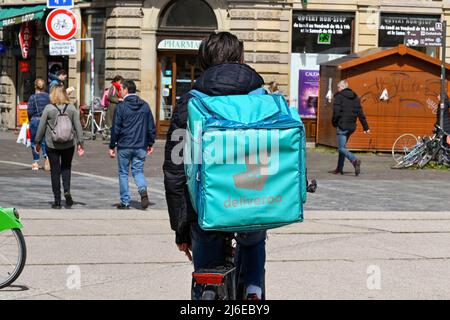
x,y
322,32
94,25
393,28
178,15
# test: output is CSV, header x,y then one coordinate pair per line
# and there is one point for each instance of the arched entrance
x,y
178,37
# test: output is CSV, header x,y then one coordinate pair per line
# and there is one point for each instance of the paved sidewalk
x,y
131,255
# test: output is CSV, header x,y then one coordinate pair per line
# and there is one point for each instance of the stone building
x,y
154,42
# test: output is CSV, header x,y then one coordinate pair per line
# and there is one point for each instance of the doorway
x,y
177,72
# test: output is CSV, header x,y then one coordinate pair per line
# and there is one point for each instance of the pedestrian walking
x,y
133,134
346,109
36,105
221,57
114,97
61,128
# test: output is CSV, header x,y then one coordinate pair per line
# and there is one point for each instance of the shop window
x,y
94,26
317,37
322,32
176,17
393,28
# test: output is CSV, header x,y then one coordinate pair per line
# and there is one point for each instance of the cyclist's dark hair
x,y
130,85
220,48
118,79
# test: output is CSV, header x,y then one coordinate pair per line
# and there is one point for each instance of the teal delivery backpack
x,y
244,158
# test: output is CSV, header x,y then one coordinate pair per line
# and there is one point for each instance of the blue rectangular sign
x,y
60,3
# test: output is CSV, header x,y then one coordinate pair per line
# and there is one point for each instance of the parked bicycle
x,y
406,153
226,282
100,126
13,252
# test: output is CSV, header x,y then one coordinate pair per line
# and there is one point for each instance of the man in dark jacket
x,y
133,133
221,56
346,109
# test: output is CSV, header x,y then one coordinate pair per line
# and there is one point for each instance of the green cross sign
x,y
324,38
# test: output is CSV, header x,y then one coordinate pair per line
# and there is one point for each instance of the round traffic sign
x,y
61,24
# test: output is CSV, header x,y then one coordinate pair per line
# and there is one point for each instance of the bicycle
x,y
225,282
403,145
425,150
99,127
13,251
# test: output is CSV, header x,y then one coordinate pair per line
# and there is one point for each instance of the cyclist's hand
x,y
112,153
149,150
186,248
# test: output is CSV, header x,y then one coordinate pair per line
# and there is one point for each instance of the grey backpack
x,y
63,129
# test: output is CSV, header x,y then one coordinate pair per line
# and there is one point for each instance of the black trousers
x,y
61,166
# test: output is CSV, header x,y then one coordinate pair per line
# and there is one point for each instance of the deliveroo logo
x,y
254,178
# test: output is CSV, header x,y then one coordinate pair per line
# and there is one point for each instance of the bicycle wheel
x,y
403,145
411,158
209,294
13,254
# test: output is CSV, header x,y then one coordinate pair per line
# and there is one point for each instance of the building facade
x,y
154,42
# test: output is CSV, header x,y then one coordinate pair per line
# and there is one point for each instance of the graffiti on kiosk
x,y
404,90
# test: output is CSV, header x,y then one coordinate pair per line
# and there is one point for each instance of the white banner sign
x,y
63,48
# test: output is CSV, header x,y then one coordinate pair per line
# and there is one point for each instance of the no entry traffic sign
x,y
61,24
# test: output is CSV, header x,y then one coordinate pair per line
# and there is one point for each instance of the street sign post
x,y
53,4
62,48
61,24
433,37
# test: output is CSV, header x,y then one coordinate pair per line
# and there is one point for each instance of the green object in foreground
x,y
9,219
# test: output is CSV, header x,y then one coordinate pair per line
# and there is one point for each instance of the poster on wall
x,y
308,93
305,74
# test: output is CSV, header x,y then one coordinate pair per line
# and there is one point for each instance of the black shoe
x,y
144,200
69,200
123,206
357,165
336,171
56,205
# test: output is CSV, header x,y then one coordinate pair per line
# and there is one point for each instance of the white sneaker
x,y
35,166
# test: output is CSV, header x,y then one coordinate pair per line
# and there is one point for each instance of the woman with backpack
x,y
114,98
36,105
221,57
59,121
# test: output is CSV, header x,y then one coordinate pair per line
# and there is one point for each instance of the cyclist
x,y
221,58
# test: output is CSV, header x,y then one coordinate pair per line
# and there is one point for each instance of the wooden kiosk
x,y
399,89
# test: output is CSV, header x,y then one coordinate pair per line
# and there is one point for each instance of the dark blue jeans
x,y
342,138
135,158
208,248
34,124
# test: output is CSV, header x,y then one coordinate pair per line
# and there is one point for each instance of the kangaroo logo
x,y
254,178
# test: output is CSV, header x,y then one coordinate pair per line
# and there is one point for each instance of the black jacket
x,y
346,108
223,79
133,125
